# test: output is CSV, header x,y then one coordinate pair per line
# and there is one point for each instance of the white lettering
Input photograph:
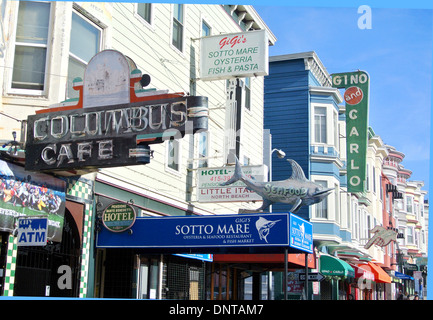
x,y
354,132
355,181
84,148
354,148
352,165
352,114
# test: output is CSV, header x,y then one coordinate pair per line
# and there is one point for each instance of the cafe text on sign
x,y
111,124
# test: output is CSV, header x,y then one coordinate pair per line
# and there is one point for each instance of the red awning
x,y
379,274
295,258
362,273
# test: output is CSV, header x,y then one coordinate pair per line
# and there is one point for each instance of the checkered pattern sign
x,y
79,190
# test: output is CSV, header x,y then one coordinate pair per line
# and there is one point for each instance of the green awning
x,y
331,266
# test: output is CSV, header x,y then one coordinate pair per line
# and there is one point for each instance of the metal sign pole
x,y
306,276
286,252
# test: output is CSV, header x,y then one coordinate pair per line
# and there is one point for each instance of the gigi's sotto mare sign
x,y
234,55
112,123
213,233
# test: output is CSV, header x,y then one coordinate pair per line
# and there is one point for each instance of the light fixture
x,y
280,153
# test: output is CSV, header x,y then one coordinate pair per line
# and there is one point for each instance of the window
x,y
409,235
85,43
355,221
409,204
203,143
205,29
367,176
144,10
248,93
177,37
320,124
322,207
337,203
173,154
232,142
31,46
336,132
387,202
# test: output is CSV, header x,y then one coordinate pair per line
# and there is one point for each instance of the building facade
x,y
46,47
46,50
311,128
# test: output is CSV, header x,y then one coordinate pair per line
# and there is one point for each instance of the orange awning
x,y
379,274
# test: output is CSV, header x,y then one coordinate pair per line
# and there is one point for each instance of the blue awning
x,y
402,276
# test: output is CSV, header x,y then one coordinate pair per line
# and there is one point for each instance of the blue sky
x,y
396,52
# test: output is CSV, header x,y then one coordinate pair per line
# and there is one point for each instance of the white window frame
x,y
31,92
409,197
332,131
321,140
206,22
318,207
148,24
101,41
248,83
183,27
410,235
355,223
201,163
179,157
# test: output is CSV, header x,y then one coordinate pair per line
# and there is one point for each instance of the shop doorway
x,y
148,278
4,236
37,271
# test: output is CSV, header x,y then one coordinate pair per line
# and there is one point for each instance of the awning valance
x,y
331,266
379,274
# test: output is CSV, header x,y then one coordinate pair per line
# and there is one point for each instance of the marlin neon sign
x,y
296,190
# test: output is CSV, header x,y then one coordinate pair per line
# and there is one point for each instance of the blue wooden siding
x,y
287,117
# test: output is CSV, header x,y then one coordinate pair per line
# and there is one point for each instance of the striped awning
x,y
379,274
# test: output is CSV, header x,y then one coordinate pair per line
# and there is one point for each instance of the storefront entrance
x,y
37,271
130,274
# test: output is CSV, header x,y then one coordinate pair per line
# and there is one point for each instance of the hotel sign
x,y
112,123
234,55
356,97
118,217
209,188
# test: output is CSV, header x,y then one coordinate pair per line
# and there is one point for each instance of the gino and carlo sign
x,y
112,123
213,233
356,96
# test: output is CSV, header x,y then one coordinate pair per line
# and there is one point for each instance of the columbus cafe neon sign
x,y
112,123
